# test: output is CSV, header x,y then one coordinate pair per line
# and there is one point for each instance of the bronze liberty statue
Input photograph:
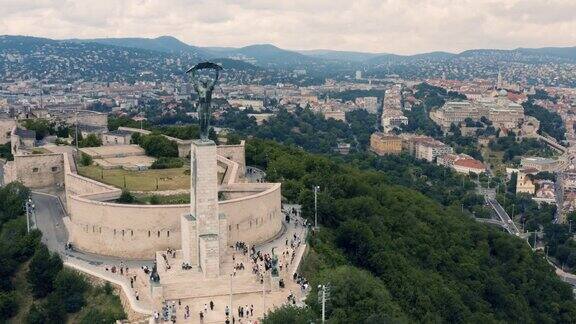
x,y
204,88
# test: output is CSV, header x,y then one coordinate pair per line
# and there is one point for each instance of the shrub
x,y
158,146
8,305
126,197
167,163
43,269
70,287
86,159
155,200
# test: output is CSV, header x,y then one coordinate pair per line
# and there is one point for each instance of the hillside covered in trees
x,y
393,254
35,288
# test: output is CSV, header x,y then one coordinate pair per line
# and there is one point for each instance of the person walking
x,y
211,305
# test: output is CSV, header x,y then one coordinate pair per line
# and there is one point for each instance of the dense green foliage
x,y
90,141
61,291
158,146
186,132
351,95
463,144
126,197
167,163
115,122
306,129
514,148
289,314
85,159
431,97
44,267
16,245
550,122
6,151
434,263
43,128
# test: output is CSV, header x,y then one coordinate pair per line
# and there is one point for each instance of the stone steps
x,y
206,287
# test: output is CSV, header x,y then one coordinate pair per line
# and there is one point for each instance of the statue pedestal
x,y
274,283
201,228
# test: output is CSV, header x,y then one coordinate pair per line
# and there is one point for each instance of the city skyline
x,y
397,27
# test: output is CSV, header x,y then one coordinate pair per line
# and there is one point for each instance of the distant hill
x,y
340,55
539,55
265,55
166,44
564,52
23,57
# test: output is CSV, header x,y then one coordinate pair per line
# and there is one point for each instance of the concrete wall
x,y
86,117
235,153
255,218
36,170
138,231
109,139
6,126
131,231
100,226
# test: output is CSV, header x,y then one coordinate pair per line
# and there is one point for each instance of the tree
x,y
155,200
158,146
126,197
400,221
42,271
49,311
355,296
289,314
8,305
86,159
42,127
98,316
6,151
90,141
233,139
70,287
12,196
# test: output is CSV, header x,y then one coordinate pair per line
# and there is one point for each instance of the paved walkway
x,y
50,218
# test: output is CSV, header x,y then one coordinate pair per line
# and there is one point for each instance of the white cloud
x,y
397,26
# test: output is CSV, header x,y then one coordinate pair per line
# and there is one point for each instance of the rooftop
x,y
120,132
470,163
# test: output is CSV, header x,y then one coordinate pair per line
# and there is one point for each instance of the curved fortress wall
x,y
138,231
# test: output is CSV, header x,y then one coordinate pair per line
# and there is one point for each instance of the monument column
x,y
200,229
204,204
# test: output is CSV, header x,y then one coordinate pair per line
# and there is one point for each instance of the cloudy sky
x,y
394,26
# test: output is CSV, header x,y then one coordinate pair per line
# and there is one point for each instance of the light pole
x,y
76,131
323,295
231,308
316,188
263,298
27,206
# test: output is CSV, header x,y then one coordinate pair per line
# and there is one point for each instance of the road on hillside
x,y
49,219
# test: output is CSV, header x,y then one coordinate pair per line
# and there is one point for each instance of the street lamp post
x,y
316,188
231,308
27,206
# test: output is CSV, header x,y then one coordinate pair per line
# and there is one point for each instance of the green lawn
x,y
148,180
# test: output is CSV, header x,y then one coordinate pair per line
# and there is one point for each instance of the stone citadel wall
x,y
36,170
138,231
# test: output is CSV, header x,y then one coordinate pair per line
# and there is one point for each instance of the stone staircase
x,y
176,288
